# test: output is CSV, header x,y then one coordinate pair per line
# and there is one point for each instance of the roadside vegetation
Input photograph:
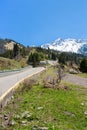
x,y
35,106
8,64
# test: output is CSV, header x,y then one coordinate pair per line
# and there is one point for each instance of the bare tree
x,y
60,73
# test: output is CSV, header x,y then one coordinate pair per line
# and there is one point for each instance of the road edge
x,y
7,95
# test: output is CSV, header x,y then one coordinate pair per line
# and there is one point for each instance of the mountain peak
x,y
68,45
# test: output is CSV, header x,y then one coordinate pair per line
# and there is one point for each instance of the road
x,y
52,62
75,80
10,72
7,83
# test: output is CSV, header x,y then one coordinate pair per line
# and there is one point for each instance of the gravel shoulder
x,y
75,80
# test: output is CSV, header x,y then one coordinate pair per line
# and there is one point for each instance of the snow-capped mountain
x,y
68,45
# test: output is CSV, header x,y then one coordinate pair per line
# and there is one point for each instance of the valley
x,y
41,88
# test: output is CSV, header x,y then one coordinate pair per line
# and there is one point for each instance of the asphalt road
x,y
10,80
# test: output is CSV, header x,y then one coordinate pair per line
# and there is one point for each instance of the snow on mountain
x,y
68,45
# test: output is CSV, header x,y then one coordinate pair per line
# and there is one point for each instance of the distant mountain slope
x,y
7,44
68,45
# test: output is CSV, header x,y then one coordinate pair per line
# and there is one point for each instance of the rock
x,y
34,128
43,128
12,97
82,104
64,87
85,113
39,128
11,123
40,108
24,123
69,114
17,117
26,114
72,71
6,117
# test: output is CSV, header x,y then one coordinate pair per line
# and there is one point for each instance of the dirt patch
x,y
75,80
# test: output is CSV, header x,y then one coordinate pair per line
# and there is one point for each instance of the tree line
x,y
36,54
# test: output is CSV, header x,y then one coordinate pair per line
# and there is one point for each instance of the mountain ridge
x,y
78,46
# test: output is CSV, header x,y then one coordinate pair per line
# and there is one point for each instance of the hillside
x,y
6,64
8,44
11,64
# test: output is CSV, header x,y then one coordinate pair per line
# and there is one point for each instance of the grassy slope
x,y
55,109
8,64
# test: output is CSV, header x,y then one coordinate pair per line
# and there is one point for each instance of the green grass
x,y
59,109
56,109
84,75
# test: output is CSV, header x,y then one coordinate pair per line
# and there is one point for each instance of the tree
x,y
34,59
62,58
16,50
53,56
83,65
23,52
60,73
30,58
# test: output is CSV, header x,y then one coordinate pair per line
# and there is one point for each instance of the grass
x,y
84,75
55,109
10,64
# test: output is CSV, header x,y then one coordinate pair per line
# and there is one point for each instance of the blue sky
x,y
34,22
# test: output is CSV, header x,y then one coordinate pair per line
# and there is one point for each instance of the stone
x,y
40,108
24,123
6,117
85,113
11,123
43,128
82,104
12,97
26,114
34,128
17,117
69,114
72,71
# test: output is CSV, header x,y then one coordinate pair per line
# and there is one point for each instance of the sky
x,y
35,22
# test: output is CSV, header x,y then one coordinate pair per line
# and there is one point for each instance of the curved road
x,y
7,83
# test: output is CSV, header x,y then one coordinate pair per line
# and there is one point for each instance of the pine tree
x,y
83,65
15,50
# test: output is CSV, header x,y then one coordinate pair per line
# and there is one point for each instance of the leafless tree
x,y
60,73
